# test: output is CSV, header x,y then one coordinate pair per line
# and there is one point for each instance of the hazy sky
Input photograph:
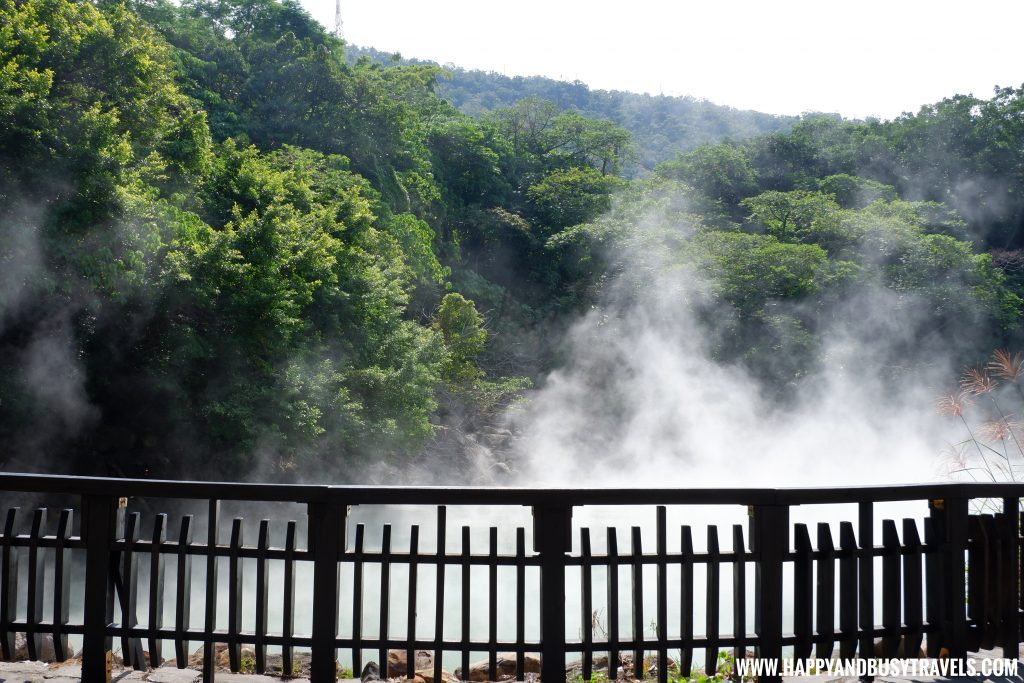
x,y
860,58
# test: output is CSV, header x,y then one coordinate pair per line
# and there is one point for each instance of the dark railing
x,y
958,585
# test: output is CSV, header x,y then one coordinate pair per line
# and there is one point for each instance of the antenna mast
x,y
339,31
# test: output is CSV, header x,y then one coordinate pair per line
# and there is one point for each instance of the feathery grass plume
x,y
977,381
998,430
953,403
954,457
1009,367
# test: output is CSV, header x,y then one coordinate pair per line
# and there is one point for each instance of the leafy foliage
x,y
229,243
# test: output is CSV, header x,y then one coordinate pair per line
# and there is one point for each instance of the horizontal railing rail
x,y
499,495
810,593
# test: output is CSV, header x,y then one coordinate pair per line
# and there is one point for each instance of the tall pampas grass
x,y
992,450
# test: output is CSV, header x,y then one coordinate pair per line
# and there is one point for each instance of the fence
x,y
831,593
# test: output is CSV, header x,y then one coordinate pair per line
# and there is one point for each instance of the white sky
x,y
863,58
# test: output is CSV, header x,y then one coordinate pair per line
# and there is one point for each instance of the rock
x,y
506,666
651,666
195,660
920,654
247,658
428,676
599,664
397,662
371,672
44,653
495,439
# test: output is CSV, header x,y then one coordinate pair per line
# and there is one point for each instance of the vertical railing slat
x,y
847,591
156,589
131,647
637,578
262,596
1010,578
62,585
288,600
661,548
866,576
936,585
410,626
956,528
235,596
8,584
492,604
210,617
520,604
465,606
385,596
992,550
114,568
586,604
803,591
913,589
825,582
183,593
890,588
739,594
613,602
36,588
685,601
712,602
441,550
976,581
357,600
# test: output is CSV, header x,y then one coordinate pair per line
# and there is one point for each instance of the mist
x,y
645,400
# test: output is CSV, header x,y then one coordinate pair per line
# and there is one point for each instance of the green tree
x,y
718,171
791,216
567,197
461,327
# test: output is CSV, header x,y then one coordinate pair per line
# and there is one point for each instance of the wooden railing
x,y
831,597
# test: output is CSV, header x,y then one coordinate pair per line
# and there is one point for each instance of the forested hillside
x,y
226,250
662,126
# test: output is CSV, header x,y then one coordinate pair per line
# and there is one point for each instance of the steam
x,y
644,402
43,364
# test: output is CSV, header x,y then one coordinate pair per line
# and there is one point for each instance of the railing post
x,y
99,514
326,542
1010,588
552,539
212,585
956,535
866,581
769,538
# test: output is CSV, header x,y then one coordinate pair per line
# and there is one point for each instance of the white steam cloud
x,y
643,402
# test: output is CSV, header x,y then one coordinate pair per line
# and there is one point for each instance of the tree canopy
x,y
230,245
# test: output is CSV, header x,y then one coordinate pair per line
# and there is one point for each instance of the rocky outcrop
x,y
427,675
371,672
506,667
275,665
397,662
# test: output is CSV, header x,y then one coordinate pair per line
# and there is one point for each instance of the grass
x,y
723,672
992,450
